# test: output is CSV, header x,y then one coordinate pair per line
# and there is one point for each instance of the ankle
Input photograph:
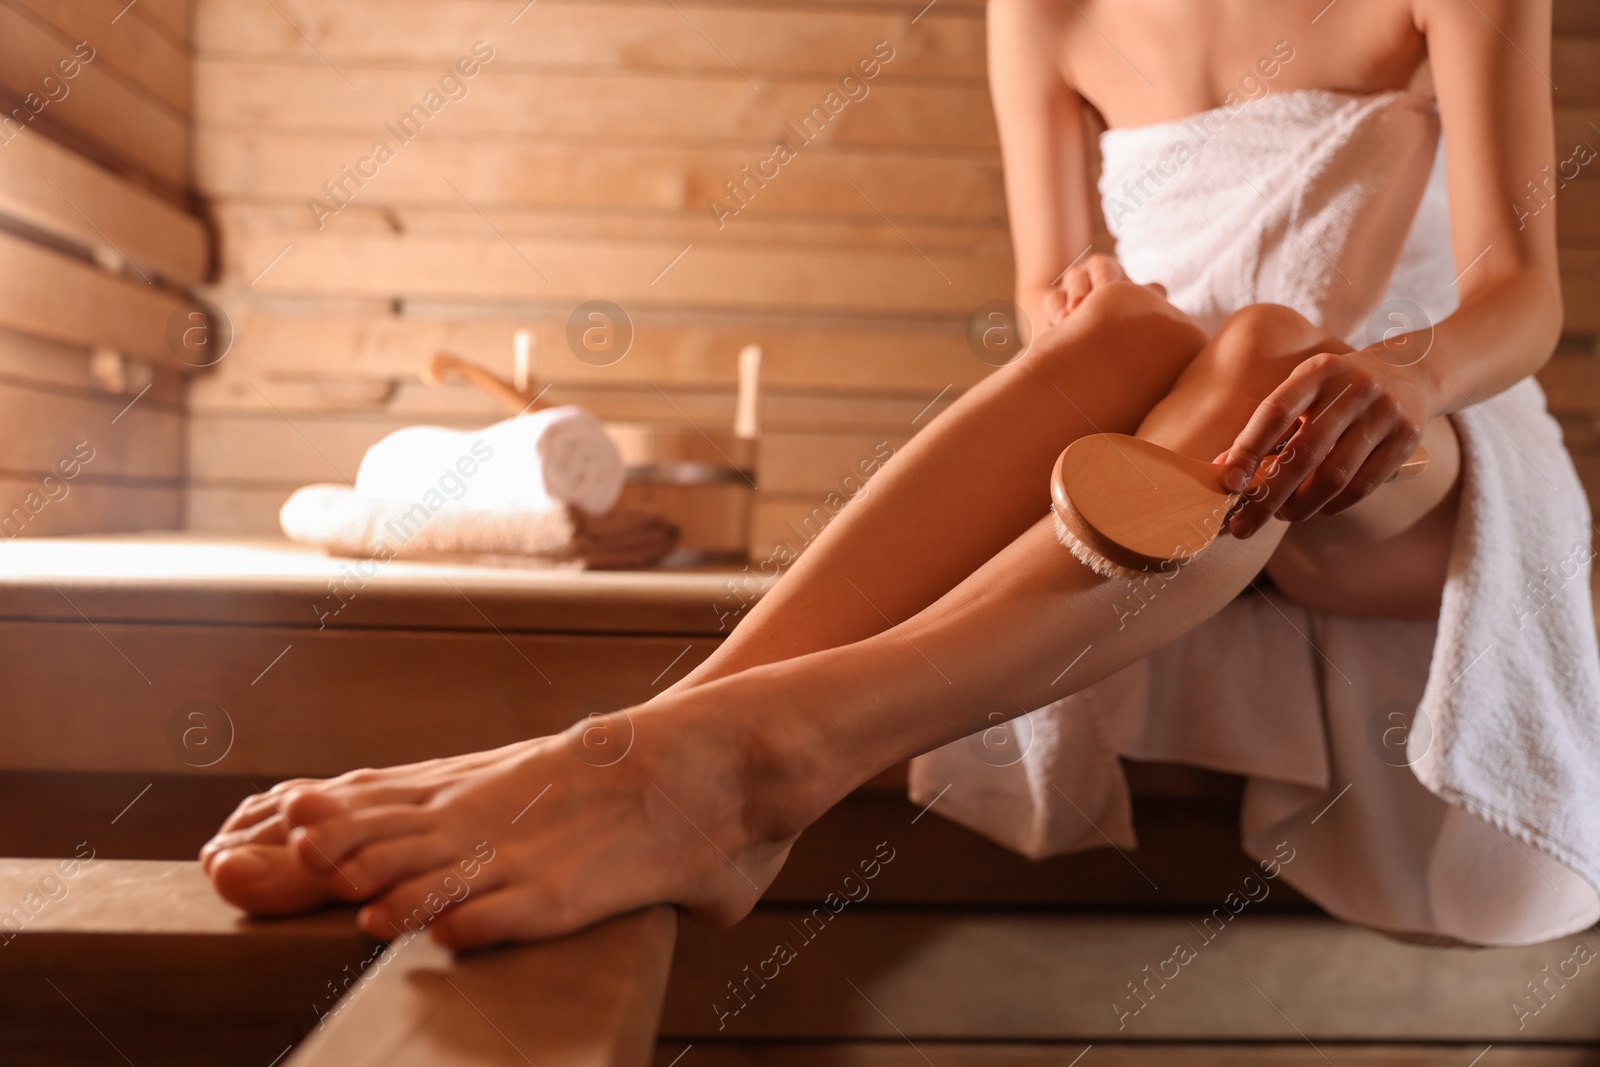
x,y
752,726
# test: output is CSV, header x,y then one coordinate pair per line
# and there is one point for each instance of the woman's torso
x,y
1140,62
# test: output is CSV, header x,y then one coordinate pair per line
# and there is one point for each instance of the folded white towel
x,y
346,523
528,462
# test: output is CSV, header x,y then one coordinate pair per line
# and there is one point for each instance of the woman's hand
x,y
1351,419
1079,280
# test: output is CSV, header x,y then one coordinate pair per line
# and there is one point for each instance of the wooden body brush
x,y
1125,506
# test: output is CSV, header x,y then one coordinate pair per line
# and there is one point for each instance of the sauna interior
x,y
216,289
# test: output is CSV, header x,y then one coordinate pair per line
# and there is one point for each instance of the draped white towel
x,y
1484,828
560,455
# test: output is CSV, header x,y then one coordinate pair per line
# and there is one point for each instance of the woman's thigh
x,y
1389,555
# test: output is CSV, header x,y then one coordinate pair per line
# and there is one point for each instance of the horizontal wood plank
x,y
1009,1054
144,957
141,132
142,960
945,44
959,975
31,508
588,1000
54,190
845,360
711,107
145,54
64,299
293,707
178,578
493,172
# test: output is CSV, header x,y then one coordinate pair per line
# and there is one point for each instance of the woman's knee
x,y
1133,321
1263,342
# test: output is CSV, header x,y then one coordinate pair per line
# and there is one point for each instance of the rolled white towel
x,y
528,462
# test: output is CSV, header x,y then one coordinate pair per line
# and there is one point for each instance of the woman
x,y
941,589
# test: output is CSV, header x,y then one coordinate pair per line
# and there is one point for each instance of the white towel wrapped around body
x,y
1480,826
526,462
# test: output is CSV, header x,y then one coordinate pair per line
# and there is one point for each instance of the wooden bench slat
x,y
959,975
589,1000
142,959
1105,1054
182,578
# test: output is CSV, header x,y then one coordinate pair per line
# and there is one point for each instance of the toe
x,y
273,831
327,842
303,807
420,900
266,880
490,918
383,863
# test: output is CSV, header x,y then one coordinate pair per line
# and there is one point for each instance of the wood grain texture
x,y
613,36
1220,1054
588,1000
49,187
947,975
141,50
64,299
142,959
141,132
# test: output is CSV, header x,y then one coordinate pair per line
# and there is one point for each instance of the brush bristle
x,y
1087,556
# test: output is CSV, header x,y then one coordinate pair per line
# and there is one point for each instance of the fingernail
x,y
1234,480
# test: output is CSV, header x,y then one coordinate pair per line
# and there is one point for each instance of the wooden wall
x,y
96,245
579,166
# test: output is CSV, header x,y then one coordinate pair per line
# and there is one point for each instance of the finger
x,y
1077,285
1055,306
1376,471
1103,270
1272,419
1158,287
1335,472
1305,452
321,846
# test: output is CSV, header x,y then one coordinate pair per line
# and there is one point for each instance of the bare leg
x,y
971,482
963,489
723,775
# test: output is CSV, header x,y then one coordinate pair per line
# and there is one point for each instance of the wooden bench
x,y
963,952
136,961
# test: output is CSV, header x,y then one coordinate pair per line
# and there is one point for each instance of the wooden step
x,y
893,974
1103,1054
105,961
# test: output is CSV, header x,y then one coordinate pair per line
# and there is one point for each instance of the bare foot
x,y
531,840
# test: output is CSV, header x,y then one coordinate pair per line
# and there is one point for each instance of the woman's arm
x,y
1041,143
1489,61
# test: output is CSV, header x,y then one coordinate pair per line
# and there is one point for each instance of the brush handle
x,y
1411,467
